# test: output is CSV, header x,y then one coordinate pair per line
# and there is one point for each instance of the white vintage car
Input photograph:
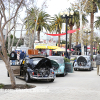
x,y
83,62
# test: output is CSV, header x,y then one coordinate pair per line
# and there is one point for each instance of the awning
x,y
59,49
40,47
53,47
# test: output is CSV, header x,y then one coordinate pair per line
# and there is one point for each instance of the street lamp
x,y
87,31
66,14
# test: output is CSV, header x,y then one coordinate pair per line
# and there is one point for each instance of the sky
x,y
54,7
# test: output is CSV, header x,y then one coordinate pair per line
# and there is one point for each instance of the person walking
x,y
97,58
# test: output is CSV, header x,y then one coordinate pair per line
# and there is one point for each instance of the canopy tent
x,y
52,47
40,47
89,48
46,47
59,49
79,46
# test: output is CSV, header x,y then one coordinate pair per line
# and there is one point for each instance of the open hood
x,y
82,61
44,63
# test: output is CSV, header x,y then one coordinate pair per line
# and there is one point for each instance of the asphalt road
x,y
80,85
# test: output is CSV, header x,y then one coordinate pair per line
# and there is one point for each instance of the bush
x,y
66,60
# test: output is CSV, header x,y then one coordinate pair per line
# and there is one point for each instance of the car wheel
x,y
27,77
64,73
7,74
75,69
90,69
51,80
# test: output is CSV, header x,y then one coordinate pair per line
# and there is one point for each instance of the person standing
x,y
97,58
13,57
18,56
22,56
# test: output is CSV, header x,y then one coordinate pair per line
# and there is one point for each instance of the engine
x,y
42,72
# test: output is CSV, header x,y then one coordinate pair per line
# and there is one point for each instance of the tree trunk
x,y
12,79
59,41
38,34
70,38
77,35
92,30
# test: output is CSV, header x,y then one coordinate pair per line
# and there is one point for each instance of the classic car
x,y
64,67
35,68
83,62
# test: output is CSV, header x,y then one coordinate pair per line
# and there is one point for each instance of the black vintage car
x,y
35,68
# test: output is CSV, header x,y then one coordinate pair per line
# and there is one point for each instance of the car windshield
x,y
58,60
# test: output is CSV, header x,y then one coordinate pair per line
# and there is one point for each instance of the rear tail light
x,y
32,73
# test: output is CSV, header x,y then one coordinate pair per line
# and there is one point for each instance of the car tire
x,y
7,74
51,80
75,69
27,77
90,69
63,73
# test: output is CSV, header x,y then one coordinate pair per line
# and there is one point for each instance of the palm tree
x,y
97,23
71,23
77,23
56,24
41,22
91,8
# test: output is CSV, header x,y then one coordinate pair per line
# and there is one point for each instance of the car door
x,y
15,68
54,64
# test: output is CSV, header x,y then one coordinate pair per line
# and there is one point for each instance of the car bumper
x,y
57,73
81,67
42,77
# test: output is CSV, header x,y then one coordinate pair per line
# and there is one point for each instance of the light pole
x,y
66,14
87,31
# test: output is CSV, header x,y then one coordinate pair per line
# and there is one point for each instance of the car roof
x,y
36,56
55,57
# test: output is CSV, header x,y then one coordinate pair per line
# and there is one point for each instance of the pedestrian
x,y
97,58
18,56
13,57
22,56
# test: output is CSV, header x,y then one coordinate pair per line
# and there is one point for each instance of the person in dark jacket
x,y
22,55
97,58
13,57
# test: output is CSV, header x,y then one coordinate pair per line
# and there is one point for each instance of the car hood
x,y
46,63
82,59
43,63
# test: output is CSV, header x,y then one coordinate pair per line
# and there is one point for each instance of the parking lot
x,y
80,85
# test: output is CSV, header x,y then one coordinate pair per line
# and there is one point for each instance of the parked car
x,y
63,66
83,62
35,68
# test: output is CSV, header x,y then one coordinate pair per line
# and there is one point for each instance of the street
x,y
80,85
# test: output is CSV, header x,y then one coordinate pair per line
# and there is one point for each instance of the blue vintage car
x,y
64,67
